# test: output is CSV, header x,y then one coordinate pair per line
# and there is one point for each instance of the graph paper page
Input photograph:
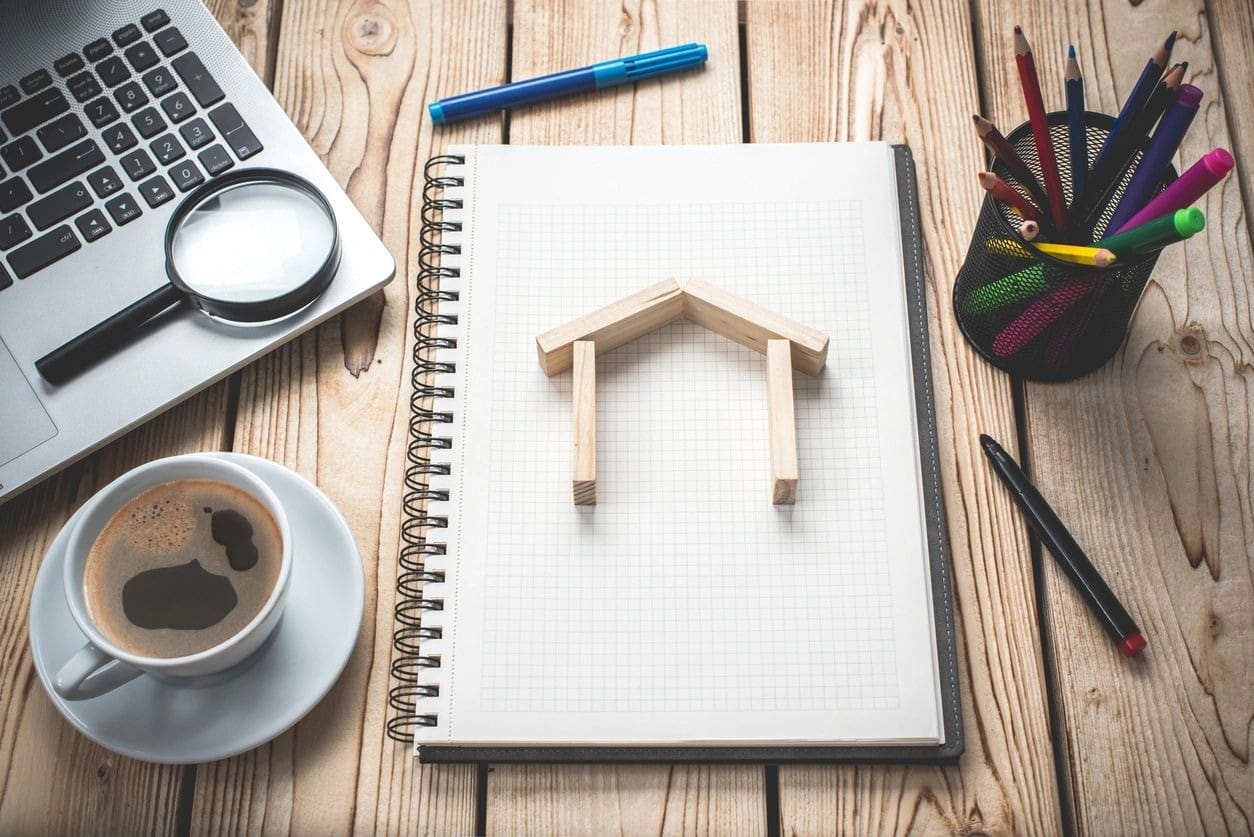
x,y
684,607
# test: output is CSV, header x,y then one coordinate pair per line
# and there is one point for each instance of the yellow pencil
x,y
1074,253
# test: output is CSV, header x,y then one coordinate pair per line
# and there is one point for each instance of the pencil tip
x,y
987,442
1018,29
1171,40
1071,51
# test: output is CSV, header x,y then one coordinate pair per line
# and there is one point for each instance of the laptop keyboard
x,y
156,125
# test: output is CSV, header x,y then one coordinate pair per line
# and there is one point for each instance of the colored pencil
x,y
1187,188
1073,253
1140,94
1077,133
1040,129
1029,229
1156,158
1002,191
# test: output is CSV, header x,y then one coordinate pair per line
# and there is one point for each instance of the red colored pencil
x,y
1040,129
1002,191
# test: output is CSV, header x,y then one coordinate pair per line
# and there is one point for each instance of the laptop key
x,y
5,278
97,49
156,191
167,149
83,86
13,230
154,20
127,35
215,160
142,56
131,97
72,162
138,164
178,107
238,136
148,122
43,251
197,79
160,81
58,206
92,225
123,209
101,112
169,41
119,138
36,81
186,176
196,133
13,193
104,182
68,64
9,96
20,153
38,109
57,135
113,71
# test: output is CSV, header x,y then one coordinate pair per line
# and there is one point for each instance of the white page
x,y
684,607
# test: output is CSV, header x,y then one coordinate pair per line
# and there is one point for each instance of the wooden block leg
x,y
781,423
584,483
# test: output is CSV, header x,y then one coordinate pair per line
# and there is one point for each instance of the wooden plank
x,y
335,404
52,779
781,424
700,107
1148,461
612,326
584,407
904,72
753,326
1232,38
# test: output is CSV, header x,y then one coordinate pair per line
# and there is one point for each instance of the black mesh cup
x,y
1029,313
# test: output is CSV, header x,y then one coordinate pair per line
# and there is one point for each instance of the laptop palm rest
x,y
24,423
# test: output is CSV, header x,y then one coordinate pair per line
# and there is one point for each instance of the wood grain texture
x,y
781,424
584,406
904,72
753,326
1232,42
701,107
250,24
355,77
611,326
1148,461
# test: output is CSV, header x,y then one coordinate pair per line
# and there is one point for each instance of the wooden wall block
x,y
781,422
584,484
610,327
752,325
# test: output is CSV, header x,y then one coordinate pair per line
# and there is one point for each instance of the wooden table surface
x,y
1149,459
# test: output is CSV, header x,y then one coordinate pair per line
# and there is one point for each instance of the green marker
x,y
1160,232
1016,287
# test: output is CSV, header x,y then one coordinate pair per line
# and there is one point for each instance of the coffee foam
x,y
164,523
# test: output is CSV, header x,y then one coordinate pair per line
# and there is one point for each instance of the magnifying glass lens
x,y
252,242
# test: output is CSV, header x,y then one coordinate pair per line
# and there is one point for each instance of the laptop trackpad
x,y
24,423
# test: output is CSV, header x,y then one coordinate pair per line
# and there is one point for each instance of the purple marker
x,y
1157,155
1187,188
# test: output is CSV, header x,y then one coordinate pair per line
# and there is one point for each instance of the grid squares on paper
x,y
684,590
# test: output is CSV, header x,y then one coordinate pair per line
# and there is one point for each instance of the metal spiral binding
x,y
416,529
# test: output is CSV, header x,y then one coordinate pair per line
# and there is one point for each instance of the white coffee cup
x,y
100,665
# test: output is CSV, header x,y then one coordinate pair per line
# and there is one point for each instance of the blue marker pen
x,y
595,77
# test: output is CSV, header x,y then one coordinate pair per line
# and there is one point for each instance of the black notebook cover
x,y
411,605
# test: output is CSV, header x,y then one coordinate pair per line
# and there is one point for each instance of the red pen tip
x,y
1018,29
1132,645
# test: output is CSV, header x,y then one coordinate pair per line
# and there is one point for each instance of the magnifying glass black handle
x,y
102,339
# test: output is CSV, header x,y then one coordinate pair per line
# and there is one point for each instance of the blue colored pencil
x,y
1140,94
1077,134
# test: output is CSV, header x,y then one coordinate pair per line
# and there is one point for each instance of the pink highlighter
x,y
1187,188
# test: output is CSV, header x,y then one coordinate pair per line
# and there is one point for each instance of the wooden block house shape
x,y
786,344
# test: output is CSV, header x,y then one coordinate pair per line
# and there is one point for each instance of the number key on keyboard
x,y
169,41
160,81
196,133
138,164
167,149
123,209
84,86
93,225
131,96
156,191
178,107
57,135
13,230
186,176
119,138
38,109
197,79
43,251
148,122
13,193
58,206
215,160
113,71
104,182
101,112
69,163
20,153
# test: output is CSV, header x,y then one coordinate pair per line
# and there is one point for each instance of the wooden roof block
x,y
610,327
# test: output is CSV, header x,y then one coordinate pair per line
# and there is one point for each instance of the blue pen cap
x,y
649,64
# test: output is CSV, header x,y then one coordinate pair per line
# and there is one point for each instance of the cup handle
x,y
90,673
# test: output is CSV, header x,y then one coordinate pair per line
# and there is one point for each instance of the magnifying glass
x,y
248,248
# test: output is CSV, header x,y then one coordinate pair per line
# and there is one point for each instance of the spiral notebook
x,y
683,617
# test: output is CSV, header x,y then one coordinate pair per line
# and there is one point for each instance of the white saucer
x,y
169,723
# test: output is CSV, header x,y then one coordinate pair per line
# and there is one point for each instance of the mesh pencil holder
x,y
1031,314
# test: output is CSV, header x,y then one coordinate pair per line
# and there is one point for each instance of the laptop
x,y
111,112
